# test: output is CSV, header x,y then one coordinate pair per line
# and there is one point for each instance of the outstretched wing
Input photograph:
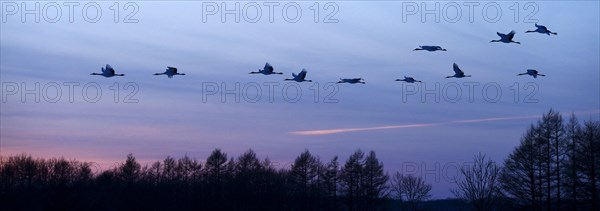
x,y
501,35
541,27
511,35
532,71
172,69
457,70
268,67
109,69
302,74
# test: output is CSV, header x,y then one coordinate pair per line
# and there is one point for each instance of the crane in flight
x,y
429,48
267,70
506,38
108,72
300,77
532,72
458,73
408,80
351,80
170,72
541,29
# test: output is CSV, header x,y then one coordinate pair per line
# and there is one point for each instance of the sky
x,y
412,132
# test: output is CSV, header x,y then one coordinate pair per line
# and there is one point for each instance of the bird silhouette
x,y
458,73
429,48
170,72
108,72
541,29
351,80
267,70
408,80
300,77
532,72
506,38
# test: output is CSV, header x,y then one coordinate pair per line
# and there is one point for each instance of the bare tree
x,y
590,162
480,185
552,137
521,176
572,163
410,190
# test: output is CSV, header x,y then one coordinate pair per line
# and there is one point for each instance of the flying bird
x,y
506,38
267,70
351,80
298,78
532,72
408,80
429,48
170,72
458,73
541,29
108,72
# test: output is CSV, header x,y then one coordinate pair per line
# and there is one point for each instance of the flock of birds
x,y
108,71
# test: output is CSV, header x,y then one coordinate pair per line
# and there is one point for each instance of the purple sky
x,y
181,116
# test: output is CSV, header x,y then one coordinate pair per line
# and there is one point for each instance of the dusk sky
x,y
182,115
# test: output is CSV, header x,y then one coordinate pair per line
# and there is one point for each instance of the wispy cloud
x,y
345,130
492,119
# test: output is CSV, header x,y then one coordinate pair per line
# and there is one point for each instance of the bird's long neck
x,y
119,74
96,74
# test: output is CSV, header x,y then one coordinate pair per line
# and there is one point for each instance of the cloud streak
x,y
493,119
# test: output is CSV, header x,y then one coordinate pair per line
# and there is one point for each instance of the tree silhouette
x,y
552,137
129,172
480,185
571,164
215,171
410,190
303,177
520,176
330,180
374,181
589,155
350,179
554,164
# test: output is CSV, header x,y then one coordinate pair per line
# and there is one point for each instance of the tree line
x,y
556,166
220,183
